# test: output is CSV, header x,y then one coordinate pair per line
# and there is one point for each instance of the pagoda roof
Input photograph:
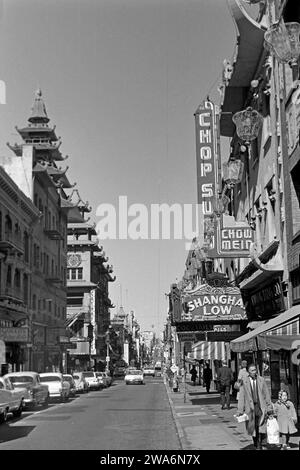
x,y
37,130
41,170
59,176
81,228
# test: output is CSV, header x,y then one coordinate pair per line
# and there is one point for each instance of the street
x,y
133,417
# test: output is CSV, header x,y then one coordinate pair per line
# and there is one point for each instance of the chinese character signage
x,y
213,304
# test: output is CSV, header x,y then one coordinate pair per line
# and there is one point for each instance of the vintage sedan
x,y
134,376
69,378
80,382
36,392
11,399
58,386
149,370
92,380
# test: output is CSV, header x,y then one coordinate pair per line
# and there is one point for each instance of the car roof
x,y
51,373
20,374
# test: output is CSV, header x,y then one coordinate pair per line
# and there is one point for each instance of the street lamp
x,y
282,40
248,124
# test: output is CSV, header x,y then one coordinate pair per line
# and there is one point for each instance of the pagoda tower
x,y
35,168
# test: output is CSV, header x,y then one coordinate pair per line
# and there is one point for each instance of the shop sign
x,y
14,335
233,239
206,154
186,336
209,303
268,300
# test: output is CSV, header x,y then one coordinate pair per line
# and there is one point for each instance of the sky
x,y
121,80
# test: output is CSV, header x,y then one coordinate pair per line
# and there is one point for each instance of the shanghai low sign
x,y
209,303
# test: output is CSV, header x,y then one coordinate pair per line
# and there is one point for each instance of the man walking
x,y
207,376
255,401
193,375
225,379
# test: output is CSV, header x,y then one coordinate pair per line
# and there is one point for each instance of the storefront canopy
x,y
278,333
208,350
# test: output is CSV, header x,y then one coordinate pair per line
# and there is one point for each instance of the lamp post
x,y
107,341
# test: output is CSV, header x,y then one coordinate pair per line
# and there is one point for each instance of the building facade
x,y
34,168
18,219
88,302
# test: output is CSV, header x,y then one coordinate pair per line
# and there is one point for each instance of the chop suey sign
x,y
222,303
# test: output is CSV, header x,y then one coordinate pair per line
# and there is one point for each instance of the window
x,y
26,247
17,282
34,302
8,276
75,274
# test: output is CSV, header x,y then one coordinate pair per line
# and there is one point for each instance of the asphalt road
x,y
126,417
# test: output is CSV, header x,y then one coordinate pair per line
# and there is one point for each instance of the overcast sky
x,y
121,80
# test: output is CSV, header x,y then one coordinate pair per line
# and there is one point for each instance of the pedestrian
x,y
207,376
285,413
255,401
243,374
193,373
225,379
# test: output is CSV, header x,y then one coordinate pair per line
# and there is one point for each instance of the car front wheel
x,y
17,413
3,417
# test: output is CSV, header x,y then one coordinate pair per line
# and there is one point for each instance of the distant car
x,y
134,376
69,378
102,379
92,380
11,399
36,392
149,370
108,378
58,386
80,382
119,371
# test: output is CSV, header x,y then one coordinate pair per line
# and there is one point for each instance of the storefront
x,y
14,355
274,347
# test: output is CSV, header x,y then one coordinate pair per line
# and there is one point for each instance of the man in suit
x,y
255,401
225,379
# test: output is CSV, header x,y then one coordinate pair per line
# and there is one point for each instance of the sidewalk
x,y
203,425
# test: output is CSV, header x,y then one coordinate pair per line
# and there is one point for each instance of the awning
x,y
278,333
208,350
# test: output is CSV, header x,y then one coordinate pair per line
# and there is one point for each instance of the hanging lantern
x,y
232,172
248,124
282,40
220,205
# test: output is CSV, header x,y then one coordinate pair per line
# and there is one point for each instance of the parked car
x,y
92,380
134,376
36,392
149,370
108,378
80,382
58,386
102,379
105,377
11,399
69,378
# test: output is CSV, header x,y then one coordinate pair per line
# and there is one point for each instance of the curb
x,y
179,428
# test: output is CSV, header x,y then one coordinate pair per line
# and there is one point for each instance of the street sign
x,y
174,368
107,358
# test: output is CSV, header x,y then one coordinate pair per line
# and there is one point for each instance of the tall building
x,y
34,168
88,278
18,218
267,195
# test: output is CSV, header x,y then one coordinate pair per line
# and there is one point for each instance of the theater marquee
x,y
213,304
